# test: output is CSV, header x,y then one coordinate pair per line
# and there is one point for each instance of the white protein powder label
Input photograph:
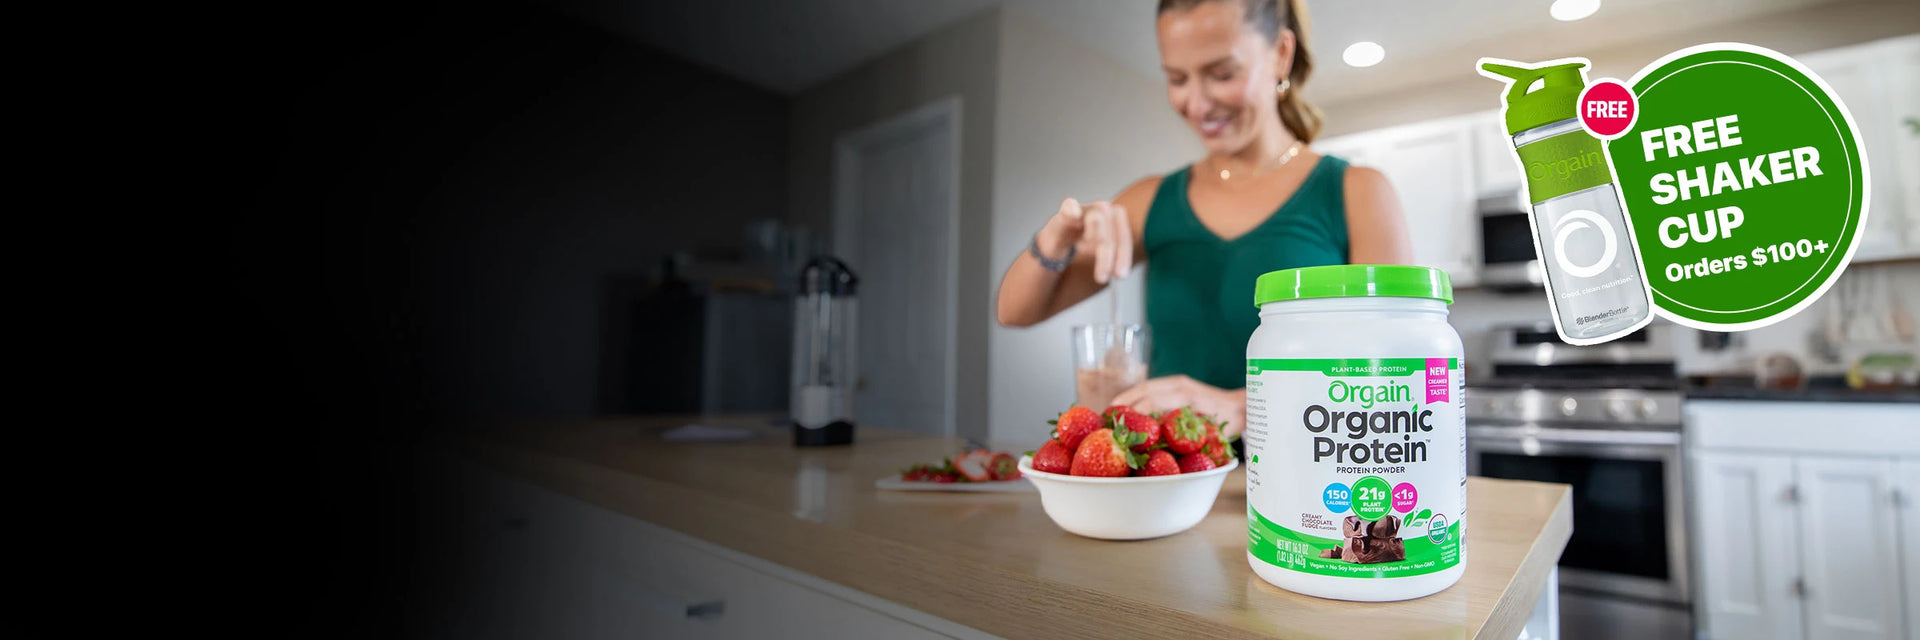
x,y
1356,467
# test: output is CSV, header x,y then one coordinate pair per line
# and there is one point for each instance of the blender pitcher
x,y
823,354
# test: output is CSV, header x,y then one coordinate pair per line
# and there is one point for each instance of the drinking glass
x,y
1108,359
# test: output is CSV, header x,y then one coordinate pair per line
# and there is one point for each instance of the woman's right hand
x,y
1100,229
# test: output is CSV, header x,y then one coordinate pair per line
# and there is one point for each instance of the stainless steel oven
x,y
1606,420
1628,500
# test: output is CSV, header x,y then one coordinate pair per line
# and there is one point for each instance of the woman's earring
x,y
1285,84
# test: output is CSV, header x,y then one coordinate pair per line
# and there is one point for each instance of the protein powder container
x,y
1356,433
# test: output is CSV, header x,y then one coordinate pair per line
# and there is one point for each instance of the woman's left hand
x,y
1172,392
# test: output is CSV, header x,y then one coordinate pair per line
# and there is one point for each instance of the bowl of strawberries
x,y
1126,475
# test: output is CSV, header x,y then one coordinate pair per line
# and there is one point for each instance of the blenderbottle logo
x,y
1574,221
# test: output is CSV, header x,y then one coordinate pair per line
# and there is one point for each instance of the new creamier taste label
x,y
1354,466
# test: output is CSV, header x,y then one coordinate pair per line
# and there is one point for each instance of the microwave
x,y
1507,259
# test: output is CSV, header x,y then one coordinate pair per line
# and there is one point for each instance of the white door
x,y
1744,518
1850,553
1907,474
1431,167
896,221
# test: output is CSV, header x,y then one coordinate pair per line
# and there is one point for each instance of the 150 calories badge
x,y
1745,183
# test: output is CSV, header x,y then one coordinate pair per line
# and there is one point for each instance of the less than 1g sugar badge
x,y
1745,183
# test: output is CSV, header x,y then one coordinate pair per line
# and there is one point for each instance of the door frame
x,y
846,190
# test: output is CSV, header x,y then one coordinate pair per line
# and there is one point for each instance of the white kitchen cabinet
x,y
1907,487
1437,193
1494,169
1903,90
1875,81
1429,165
1851,552
1748,573
1798,512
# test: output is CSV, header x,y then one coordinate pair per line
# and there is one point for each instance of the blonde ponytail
x,y
1302,119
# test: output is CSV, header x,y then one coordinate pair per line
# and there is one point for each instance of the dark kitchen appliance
x,y
823,354
1508,261
1606,420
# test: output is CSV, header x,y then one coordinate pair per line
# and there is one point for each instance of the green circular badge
x,y
1745,183
1371,498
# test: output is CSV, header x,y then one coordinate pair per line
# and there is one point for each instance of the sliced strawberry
x,y
1053,457
972,465
1003,467
1159,463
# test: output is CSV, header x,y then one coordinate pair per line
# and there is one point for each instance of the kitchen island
x,y
935,564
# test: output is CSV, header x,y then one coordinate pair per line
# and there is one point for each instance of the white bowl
x,y
1127,508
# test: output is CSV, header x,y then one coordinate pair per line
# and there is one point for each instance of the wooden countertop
x,y
994,562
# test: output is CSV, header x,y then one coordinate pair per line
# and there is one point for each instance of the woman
x,y
1260,200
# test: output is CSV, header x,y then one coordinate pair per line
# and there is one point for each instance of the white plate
x,y
894,483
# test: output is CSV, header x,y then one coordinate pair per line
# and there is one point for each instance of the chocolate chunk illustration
x,y
1388,526
1373,550
1369,542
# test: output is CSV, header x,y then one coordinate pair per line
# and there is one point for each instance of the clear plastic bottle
x,y
1595,284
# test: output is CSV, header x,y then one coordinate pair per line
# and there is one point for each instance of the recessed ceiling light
x,y
1571,10
1364,54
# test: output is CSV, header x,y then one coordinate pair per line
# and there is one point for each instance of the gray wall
x,y
1073,122
483,175
956,61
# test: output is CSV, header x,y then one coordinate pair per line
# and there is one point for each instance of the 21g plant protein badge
x,y
1356,433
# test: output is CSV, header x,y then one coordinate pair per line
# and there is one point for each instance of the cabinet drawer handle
x,y
709,610
1800,588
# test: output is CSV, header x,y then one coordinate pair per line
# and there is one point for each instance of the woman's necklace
x,y
1292,150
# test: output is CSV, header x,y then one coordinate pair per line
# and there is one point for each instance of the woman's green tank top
x,y
1200,287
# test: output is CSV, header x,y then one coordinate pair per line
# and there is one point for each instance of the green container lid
x,y
1560,88
1353,281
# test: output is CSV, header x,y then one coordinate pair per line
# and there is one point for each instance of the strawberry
x,y
1104,454
1195,463
972,465
1075,424
1217,451
1122,416
1183,430
1003,467
942,472
1053,457
1159,463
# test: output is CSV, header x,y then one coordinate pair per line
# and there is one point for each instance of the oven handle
x,y
1577,436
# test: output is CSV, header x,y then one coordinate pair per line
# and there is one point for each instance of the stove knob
x,y
1648,407
1620,410
1568,405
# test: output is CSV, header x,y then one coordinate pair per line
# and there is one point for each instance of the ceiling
x,y
789,45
